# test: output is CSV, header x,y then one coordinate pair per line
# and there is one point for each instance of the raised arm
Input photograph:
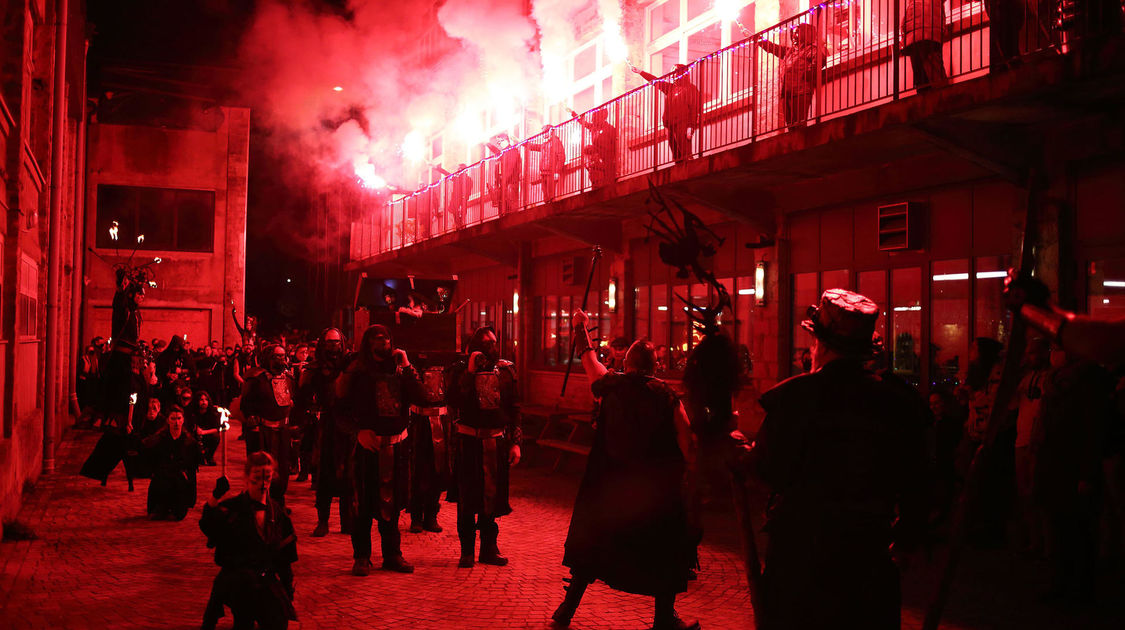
x,y
594,368
772,48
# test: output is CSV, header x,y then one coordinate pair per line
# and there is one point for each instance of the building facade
x,y
42,87
865,178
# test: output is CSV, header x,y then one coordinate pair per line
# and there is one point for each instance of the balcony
x,y
754,135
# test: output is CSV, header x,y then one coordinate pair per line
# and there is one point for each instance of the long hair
x,y
476,342
367,342
321,354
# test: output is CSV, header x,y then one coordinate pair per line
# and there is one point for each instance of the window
x,y
584,100
1106,289
707,74
585,62
664,18
804,295
990,315
873,284
851,26
27,301
662,62
906,324
169,219
949,322
696,8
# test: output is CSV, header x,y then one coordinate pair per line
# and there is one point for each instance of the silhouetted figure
x,y
460,189
173,454
843,453
630,525
508,168
681,109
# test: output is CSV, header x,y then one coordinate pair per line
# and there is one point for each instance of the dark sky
x,y
208,33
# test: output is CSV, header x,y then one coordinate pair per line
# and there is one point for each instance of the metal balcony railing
x,y
826,62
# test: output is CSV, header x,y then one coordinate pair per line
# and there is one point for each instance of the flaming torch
x,y
129,420
140,239
224,426
731,10
113,228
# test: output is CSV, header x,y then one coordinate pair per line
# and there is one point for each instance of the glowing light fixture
x,y
612,301
515,302
1105,300
1116,284
747,291
981,275
661,308
760,283
903,309
338,88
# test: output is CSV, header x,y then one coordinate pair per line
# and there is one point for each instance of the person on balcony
x,y
681,109
552,161
801,63
460,189
600,155
923,29
505,191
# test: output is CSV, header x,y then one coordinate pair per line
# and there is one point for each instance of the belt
x,y
383,441
482,434
428,411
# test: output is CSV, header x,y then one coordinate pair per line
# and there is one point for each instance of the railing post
x,y
821,26
895,55
649,90
699,114
754,86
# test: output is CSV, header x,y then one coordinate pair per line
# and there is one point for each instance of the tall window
x,y
170,219
905,343
949,322
27,301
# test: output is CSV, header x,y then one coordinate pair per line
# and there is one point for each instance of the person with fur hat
x,y
843,453
375,392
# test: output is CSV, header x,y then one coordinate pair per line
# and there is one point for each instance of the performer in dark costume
x,y
460,188
487,439
552,161
318,397
375,393
508,169
267,399
630,528
122,381
429,446
681,109
204,418
843,452
174,457
255,546
600,155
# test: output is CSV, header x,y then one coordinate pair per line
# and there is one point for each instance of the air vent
x,y
900,227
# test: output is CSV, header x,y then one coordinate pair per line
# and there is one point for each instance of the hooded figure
x,y
600,155
508,167
375,392
317,394
801,63
843,454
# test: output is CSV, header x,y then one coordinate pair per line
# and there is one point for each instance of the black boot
x,y
489,552
565,612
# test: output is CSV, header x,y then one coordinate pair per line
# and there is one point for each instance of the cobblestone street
x,y
99,563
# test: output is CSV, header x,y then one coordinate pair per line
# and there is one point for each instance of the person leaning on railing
x,y
681,109
800,63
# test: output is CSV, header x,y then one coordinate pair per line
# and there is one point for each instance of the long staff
x,y
585,301
224,424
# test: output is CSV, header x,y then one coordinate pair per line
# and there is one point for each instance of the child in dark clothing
x,y
255,546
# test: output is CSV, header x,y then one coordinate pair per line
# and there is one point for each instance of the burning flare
x,y
365,171
113,228
224,418
152,283
157,260
616,49
133,399
140,239
414,146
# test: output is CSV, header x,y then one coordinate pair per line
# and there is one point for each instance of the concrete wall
x,y
195,289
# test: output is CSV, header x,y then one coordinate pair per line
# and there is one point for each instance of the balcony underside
x,y
990,126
